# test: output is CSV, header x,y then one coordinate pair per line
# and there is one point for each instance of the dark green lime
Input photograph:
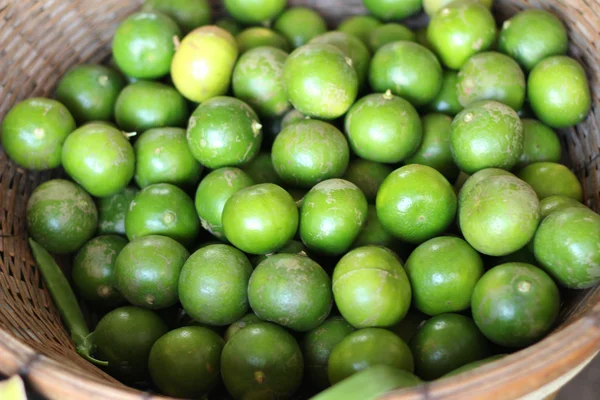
x,y
230,25
373,234
447,99
112,210
261,169
300,25
368,176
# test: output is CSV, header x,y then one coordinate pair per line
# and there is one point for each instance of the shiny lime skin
x,y
261,37
434,150
389,33
144,105
531,36
488,134
308,152
212,194
260,219
368,176
445,343
292,291
90,92
320,81
409,70
317,345
383,128
460,30
559,92
447,99
416,203
557,203
186,362
515,304
473,365
189,14
163,156
261,169
499,215
300,24
551,179
331,216
262,361
162,209
143,44
101,173
124,338
366,348
566,245
94,271
541,144
33,133
360,26
61,216
254,11
246,320
214,283
230,25
393,9
258,80
371,288
147,271
373,234
224,132
443,272
432,7
112,210
491,76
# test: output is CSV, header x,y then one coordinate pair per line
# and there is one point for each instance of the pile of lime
x,y
264,208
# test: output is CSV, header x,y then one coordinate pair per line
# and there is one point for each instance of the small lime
x,y
255,11
189,14
551,179
393,9
373,234
300,24
557,203
112,210
261,169
447,99
541,144
360,26
389,33
368,176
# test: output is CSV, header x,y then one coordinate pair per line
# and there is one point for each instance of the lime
x,y
551,179
445,343
94,271
416,203
531,36
393,9
320,81
300,24
366,348
230,25
144,44
262,361
566,245
488,134
447,99
476,178
255,11
389,33
90,92
61,216
515,304
246,320
373,234
360,26
541,144
224,132
473,365
557,203
186,362
189,14
261,37
383,128
261,169
33,132
370,287
432,7
112,210
260,219
368,176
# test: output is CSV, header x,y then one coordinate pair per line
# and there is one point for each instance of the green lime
x,y
566,245
460,30
215,49
557,203
308,152
230,25
383,128
112,210
300,24
291,247
389,33
409,325
473,365
432,7
393,9
515,304
214,283
186,362
124,338
257,36
261,169
409,70
367,348
224,132
189,14
332,216
162,155
320,81
371,288
262,361
246,320
499,215
162,209
488,134
559,92
533,35
260,219
368,176
292,291
541,144
416,203
445,343
373,234
90,92
144,44
33,132
443,273
447,99
360,26
94,271
476,178
551,179
254,11
61,216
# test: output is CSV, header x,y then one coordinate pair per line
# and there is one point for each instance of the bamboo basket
x,y
41,39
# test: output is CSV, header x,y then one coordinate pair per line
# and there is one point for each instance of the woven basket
x,y
41,39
